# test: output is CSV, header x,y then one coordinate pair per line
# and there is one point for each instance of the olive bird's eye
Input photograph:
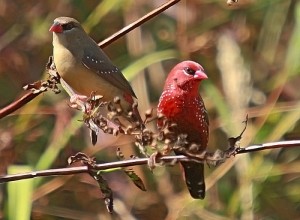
x,y
189,71
67,26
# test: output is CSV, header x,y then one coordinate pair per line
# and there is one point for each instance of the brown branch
x,y
138,161
137,23
17,104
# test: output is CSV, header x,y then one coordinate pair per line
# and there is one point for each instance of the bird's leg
x,y
77,101
80,102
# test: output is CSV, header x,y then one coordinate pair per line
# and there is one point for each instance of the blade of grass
x,y
134,68
19,195
54,148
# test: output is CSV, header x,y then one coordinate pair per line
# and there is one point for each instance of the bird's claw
x,y
79,102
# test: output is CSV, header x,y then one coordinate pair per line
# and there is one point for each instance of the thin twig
x,y
84,169
269,146
137,23
136,162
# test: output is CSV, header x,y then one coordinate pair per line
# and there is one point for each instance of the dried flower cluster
x,y
160,142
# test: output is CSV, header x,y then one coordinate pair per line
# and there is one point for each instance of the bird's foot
x,y
77,97
79,102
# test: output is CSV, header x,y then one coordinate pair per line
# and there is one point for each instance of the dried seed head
x,y
103,123
129,129
110,130
110,107
167,141
115,132
172,125
117,100
160,136
137,124
130,114
148,113
160,116
121,130
94,97
167,132
194,148
166,149
134,105
146,131
119,111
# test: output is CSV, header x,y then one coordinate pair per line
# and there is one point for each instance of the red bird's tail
x,y
194,179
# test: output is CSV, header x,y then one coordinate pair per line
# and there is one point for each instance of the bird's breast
x,y
66,63
188,113
83,80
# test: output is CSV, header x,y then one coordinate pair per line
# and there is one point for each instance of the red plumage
x,y
182,104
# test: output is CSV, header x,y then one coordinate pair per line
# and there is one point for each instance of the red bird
x,y
181,103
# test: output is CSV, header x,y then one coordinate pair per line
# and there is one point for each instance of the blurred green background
x,y
251,53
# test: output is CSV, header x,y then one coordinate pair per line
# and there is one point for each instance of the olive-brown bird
x,y
85,67
181,103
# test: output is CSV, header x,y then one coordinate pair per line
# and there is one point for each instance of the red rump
x,y
128,98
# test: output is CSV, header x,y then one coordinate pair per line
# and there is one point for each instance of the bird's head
x,y
186,75
67,31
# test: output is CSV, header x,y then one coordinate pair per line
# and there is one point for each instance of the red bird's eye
x,y
189,71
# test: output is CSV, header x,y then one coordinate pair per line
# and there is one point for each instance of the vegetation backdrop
x,y
250,52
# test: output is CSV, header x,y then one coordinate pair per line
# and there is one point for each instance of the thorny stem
x,y
138,161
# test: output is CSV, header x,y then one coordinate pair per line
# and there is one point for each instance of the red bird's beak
x,y
56,27
200,75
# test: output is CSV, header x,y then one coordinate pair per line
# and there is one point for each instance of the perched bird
x,y
85,67
181,103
